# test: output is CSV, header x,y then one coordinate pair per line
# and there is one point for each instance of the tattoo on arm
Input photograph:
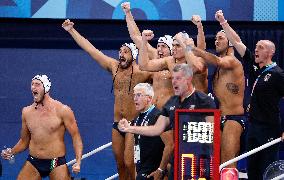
x,y
233,88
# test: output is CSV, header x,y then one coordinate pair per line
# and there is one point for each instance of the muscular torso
x,y
124,106
229,89
163,89
47,131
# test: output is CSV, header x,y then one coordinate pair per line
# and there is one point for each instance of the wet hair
x,y
229,42
148,89
185,68
230,45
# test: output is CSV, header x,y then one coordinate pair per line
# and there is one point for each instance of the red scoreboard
x,y
197,144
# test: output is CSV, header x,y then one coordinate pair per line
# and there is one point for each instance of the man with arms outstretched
x,y
43,127
267,90
126,75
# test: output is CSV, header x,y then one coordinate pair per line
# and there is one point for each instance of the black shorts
x,y
45,166
115,126
241,119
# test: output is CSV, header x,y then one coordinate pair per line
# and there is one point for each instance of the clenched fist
x,y
125,7
67,25
147,35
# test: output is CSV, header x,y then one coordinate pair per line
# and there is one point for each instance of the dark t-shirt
x,y
269,89
198,100
151,148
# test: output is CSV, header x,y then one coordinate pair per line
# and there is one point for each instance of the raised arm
x,y
144,62
105,61
196,62
134,31
196,19
24,141
226,62
154,130
231,34
71,126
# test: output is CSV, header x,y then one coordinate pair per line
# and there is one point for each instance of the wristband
x,y
162,171
223,23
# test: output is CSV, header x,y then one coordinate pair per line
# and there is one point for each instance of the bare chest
x,y
162,79
125,80
227,83
43,122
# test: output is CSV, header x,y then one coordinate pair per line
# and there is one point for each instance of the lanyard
x,y
266,69
145,117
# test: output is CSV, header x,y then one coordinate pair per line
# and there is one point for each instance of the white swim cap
x,y
45,81
168,40
132,47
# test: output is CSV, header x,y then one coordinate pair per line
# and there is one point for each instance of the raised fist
x,y
123,125
76,168
196,19
219,16
125,7
147,35
67,25
7,153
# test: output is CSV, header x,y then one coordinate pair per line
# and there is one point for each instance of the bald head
x,y
270,45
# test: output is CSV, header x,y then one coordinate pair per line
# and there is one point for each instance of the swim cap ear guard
x,y
132,47
168,40
45,81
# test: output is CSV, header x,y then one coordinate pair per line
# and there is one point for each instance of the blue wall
x,y
248,10
78,82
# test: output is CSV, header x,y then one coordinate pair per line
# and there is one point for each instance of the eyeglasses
x,y
138,95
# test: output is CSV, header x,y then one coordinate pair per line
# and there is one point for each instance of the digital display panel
x,y
197,144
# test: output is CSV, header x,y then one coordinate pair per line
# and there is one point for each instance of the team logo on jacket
x,y
172,108
266,77
255,67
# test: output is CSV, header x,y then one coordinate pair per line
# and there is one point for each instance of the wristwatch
x,y
163,172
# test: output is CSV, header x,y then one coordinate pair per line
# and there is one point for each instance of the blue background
x,y
31,45
77,82
249,10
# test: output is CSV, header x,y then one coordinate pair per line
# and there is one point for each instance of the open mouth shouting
x,y
122,60
36,95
